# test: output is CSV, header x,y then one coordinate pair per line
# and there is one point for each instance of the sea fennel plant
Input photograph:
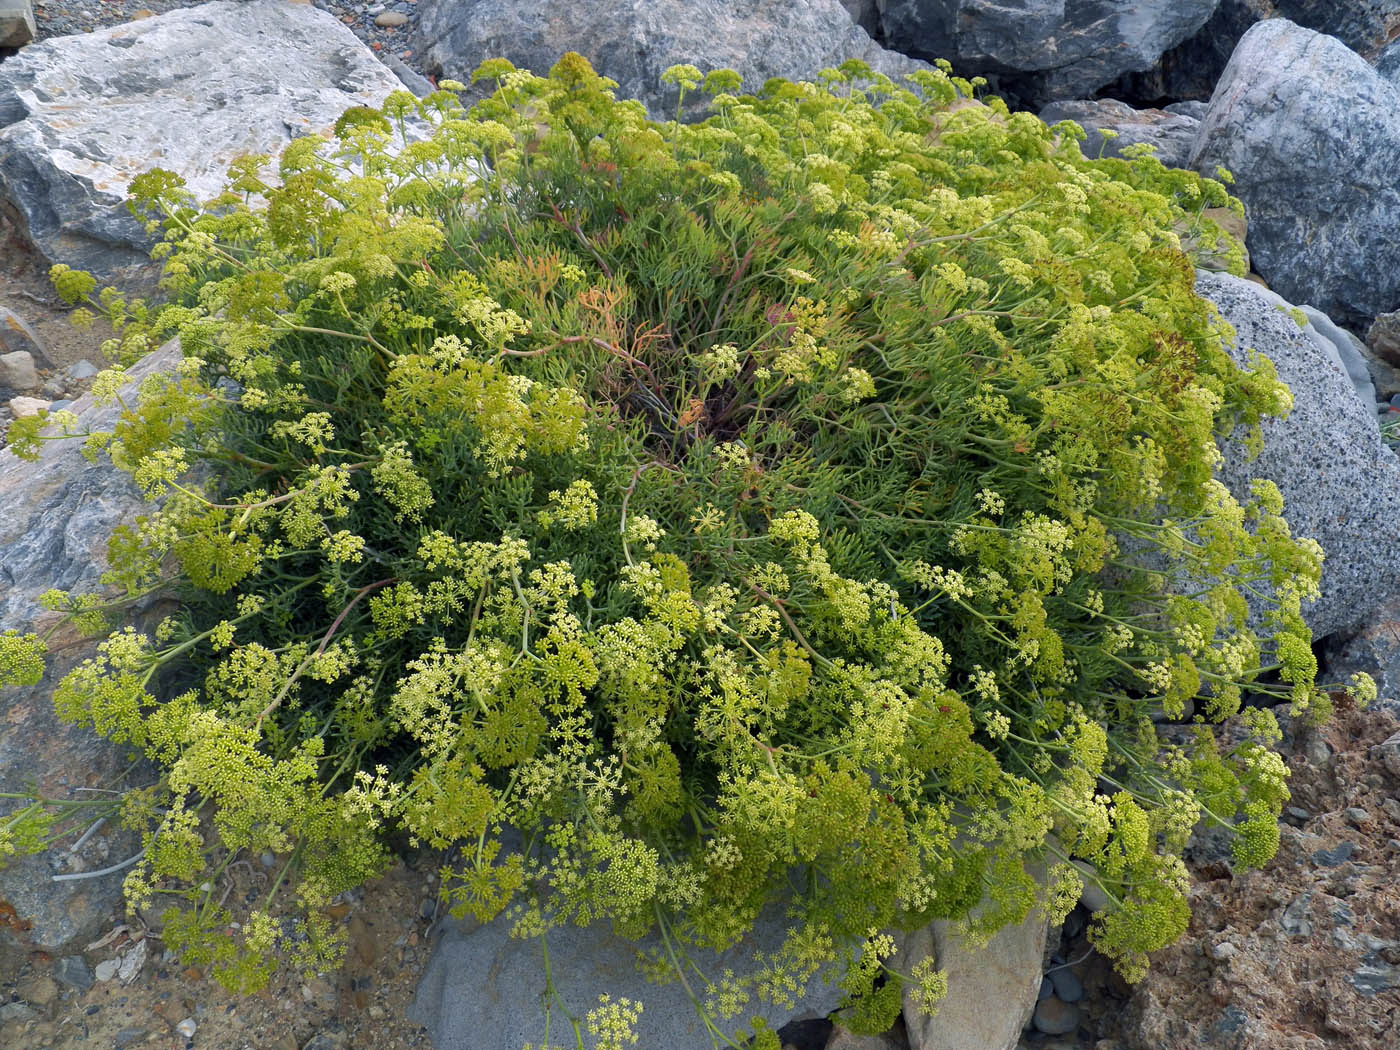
x,y
810,503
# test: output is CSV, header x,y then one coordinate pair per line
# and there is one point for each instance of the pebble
x,y
81,370
129,1037
107,969
1297,815
1047,989
1223,951
1392,809
17,372
1319,753
1068,987
390,19
1054,1017
186,1028
17,1012
1357,815
74,971
1338,854
267,860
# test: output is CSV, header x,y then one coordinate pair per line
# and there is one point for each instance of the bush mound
x,y
812,503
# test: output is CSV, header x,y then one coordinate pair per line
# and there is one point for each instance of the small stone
x,y
17,1012
38,991
17,372
81,371
1068,987
267,860
1047,989
1338,854
1357,815
1053,1017
1391,808
129,1037
107,969
1297,815
186,1028
61,404
390,19
376,1012
1389,753
74,971
427,908
1092,897
1223,951
1319,753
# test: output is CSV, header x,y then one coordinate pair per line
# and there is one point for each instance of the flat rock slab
x,y
187,91
484,989
635,41
1340,483
55,517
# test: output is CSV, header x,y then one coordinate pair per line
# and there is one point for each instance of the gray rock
x,y
1005,972
635,41
1053,1017
1049,49
55,517
1389,754
1340,484
17,336
841,1039
1388,62
188,91
1191,69
483,988
1068,987
1383,337
17,372
81,371
1170,134
1312,136
1365,26
1346,350
1337,855
17,26
74,971
418,84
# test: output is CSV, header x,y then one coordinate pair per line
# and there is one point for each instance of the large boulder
x,y
55,517
188,91
1311,134
1171,132
1340,484
1365,26
1045,49
484,988
635,41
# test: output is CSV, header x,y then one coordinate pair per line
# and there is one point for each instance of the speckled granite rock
x,y
1340,484
1312,135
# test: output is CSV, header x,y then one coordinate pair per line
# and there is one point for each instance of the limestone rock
x,y
17,372
1312,135
1049,49
17,26
992,990
188,91
55,517
1340,484
635,41
483,988
1170,133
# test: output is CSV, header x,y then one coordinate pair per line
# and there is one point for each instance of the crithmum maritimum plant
x,y
811,503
